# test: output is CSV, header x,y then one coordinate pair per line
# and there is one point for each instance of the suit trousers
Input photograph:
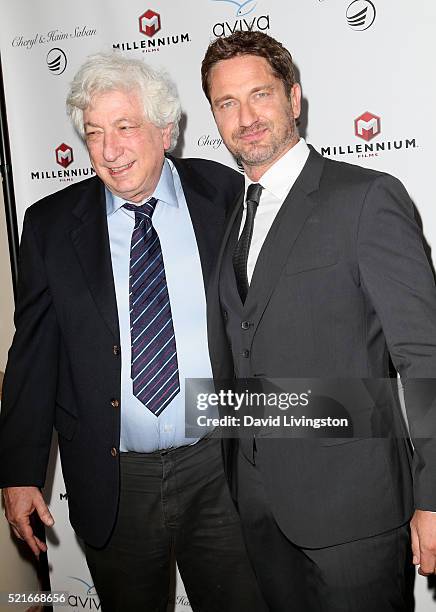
x,y
372,574
175,503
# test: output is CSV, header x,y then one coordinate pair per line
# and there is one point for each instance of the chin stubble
x,y
261,154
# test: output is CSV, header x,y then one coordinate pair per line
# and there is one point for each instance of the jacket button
x,y
114,452
225,315
245,353
116,349
115,403
245,324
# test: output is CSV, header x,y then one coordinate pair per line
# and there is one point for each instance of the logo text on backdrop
x,y
242,8
64,155
150,22
367,126
28,42
360,14
86,600
56,61
244,23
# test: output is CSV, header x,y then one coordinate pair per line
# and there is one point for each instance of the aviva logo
x,y
242,8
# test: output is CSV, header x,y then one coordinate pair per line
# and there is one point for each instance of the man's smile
x,y
253,136
120,169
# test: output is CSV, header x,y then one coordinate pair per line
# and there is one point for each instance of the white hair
x,y
105,72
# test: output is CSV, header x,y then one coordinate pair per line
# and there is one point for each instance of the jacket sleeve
x,y
398,280
26,419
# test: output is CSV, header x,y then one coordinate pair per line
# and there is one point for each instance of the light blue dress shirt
x,y
142,431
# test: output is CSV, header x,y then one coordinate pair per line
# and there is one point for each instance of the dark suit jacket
x,y
64,365
341,285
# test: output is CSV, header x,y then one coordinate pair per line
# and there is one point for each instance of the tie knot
x,y
253,193
145,210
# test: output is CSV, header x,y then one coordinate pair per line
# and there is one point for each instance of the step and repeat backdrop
x,y
366,69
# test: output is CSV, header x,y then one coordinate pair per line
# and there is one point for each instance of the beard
x,y
258,154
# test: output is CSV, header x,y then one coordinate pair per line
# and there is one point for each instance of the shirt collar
x,y
164,192
279,179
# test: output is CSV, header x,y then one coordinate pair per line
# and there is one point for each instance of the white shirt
x,y
276,183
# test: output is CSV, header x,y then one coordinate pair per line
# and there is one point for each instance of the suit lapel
x,y
220,354
287,225
206,215
91,242
234,218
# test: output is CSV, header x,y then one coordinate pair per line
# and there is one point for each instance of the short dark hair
x,y
250,43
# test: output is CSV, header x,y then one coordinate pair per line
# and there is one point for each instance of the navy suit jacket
x,y
64,366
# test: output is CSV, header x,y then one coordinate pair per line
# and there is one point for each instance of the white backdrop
x,y
369,96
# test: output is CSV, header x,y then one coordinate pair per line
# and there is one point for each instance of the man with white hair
x,y
110,321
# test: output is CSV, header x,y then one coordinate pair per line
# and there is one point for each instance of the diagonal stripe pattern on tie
x,y
154,372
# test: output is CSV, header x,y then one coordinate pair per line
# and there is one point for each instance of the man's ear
x,y
296,100
166,135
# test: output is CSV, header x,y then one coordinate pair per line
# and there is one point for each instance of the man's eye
x,y
227,104
262,94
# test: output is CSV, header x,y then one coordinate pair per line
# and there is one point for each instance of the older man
x,y
110,320
323,274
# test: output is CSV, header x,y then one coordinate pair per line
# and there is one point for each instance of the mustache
x,y
252,129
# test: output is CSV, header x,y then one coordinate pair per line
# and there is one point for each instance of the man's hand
x,y
423,531
20,503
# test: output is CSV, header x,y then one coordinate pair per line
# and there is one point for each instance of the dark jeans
x,y
369,575
177,502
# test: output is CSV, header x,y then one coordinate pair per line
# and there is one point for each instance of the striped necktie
x,y
155,371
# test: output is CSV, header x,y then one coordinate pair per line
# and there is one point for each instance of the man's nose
x,y
247,114
112,148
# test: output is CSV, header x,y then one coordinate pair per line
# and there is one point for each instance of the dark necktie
x,y
240,256
155,371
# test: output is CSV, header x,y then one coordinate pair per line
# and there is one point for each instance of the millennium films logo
x,y
367,126
245,20
149,25
64,157
85,598
56,61
360,14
